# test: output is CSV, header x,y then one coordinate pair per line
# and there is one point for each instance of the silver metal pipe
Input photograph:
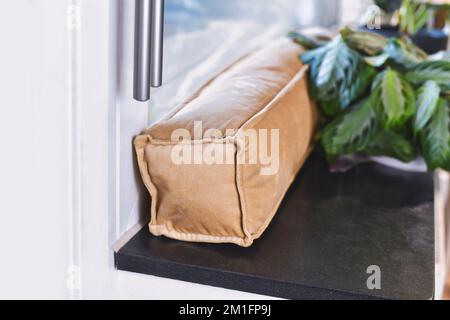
x,y
157,41
142,50
148,47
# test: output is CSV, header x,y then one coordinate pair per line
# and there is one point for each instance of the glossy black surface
x,y
328,231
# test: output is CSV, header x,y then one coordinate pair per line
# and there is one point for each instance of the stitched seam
x,y
162,229
145,173
298,77
240,168
240,150
154,193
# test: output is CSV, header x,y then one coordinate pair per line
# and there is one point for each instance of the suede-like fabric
x,y
233,202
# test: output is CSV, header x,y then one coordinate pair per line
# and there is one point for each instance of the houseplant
x,y
421,20
380,97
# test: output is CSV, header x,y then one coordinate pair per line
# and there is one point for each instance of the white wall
x,y
35,149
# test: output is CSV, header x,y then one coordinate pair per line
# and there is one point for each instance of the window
x,y
203,36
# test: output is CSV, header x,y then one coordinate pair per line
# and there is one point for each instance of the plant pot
x,y
389,6
431,41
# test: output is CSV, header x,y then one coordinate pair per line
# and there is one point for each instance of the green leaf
x,y
306,41
427,101
350,132
435,138
377,61
367,43
313,57
438,71
404,53
392,98
358,85
413,16
329,69
338,76
391,144
395,99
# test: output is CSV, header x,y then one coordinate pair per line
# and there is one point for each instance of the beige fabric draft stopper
x,y
219,166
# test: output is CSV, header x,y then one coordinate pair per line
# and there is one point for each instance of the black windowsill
x,y
328,231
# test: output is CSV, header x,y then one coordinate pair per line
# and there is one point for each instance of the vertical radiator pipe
x,y
157,42
148,47
142,50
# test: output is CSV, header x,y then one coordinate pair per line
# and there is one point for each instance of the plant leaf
x,y
404,53
306,41
338,76
392,98
391,144
395,99
350,132
427,101
359,84
377,61
438,71
435,138
413,16
367,43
